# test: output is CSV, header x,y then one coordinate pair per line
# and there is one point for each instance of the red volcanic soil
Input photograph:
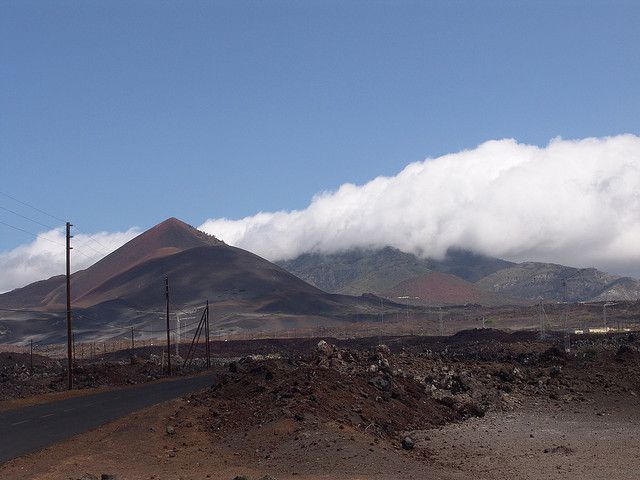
x,y
167,238
442,288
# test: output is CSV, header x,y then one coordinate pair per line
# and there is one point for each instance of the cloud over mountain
x,y
573,202
44,257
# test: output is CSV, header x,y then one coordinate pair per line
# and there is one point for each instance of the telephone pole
x,y
206,328
69,331
567,338
542,315
166,295
177,334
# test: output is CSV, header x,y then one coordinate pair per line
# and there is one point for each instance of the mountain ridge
x,y
376,271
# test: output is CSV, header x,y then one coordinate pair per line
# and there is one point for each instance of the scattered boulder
x,y
383,349
560,449
408,443
323,348
380,383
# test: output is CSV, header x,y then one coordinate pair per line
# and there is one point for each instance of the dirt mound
x,y
349,389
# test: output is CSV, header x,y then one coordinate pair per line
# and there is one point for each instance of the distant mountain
x,y
127,287
467,265
533,281
165,239
361,271
357,271
388,271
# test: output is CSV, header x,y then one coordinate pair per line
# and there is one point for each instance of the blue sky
x,y
118,114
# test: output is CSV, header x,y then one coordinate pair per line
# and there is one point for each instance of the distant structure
x,y
542,317
567,338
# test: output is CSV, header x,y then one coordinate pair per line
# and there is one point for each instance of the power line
x,y
21,310
108,249
27,218
86,245
175,307
31,206
40,236
31,233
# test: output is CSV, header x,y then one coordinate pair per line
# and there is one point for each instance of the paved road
x,y
31,428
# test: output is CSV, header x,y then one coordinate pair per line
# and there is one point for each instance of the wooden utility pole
x,y
166,295
206,331
31,358
69,332
177,334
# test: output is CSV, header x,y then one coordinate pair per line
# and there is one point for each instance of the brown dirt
x,y
327,414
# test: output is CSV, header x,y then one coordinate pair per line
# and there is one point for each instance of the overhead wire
x,y
86,245
31,206
40,236
108,249
82,246
31,233
27,218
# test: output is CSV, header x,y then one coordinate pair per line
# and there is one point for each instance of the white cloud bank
x,y
574,202
45,256
571,202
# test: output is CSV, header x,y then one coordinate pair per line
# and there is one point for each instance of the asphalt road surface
x,y
28,429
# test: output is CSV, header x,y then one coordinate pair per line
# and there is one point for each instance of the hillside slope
x,y
435,288
361,271
380,271
534,280
165,239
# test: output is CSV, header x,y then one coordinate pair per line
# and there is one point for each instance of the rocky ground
x,y
20,378
480,404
